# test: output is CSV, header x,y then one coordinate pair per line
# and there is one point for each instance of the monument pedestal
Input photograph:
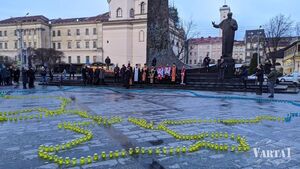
x,y
230,67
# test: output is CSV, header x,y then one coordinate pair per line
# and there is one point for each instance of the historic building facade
x,y
120,34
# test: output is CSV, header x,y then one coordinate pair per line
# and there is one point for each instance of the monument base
x,y
230,68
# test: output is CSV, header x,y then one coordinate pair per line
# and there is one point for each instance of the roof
x,y
25,19
284,41
239,42
278,54
251,33
101,18
203,40
41,18
292,44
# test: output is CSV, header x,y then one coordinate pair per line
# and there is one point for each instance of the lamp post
x,y
258,46
21,43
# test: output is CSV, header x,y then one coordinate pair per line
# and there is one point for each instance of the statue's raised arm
x,y
215,25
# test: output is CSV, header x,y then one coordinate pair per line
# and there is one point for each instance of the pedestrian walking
x,y
31,77
183,71
244,77
83,75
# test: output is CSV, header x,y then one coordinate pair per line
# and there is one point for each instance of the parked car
x,y
294,77
254,77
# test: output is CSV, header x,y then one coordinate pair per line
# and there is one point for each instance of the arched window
x,y
131,13
141,36
119,13
143,8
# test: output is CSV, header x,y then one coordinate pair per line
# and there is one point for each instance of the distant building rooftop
x,y
203,40
25,19
98,18
43,19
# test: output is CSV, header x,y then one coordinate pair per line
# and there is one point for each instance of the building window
x,y
16,44
1,45
195,61
53,45
87,31
69,59
25,45
298,48
131,13
58,33
77,32
5,33
29,44
143,8
94,44
87,59
141,36
191,62
29,32
53,33
69,32
78,59
25,31
94,59
16,33
0,33
69,45
34,44
58,45
95,31
119,13
34,32
87,44
78,45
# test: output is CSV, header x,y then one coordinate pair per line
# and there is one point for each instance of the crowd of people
x,y
93,76
9,75
129,75
147,75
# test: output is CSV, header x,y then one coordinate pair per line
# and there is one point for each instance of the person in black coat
x,y
17,75
127,77
107,62
260,78
24,77
97,76
83,74
222,66
122,73
31,77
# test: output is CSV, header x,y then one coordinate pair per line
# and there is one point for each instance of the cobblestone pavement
x,y
19,141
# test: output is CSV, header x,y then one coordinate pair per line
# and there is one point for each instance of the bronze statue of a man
x,y
228,26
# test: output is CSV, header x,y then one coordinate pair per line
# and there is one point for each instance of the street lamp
x,y
20,38
258,46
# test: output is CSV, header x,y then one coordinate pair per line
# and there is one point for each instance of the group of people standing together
x,y
92,76
146,75
9,75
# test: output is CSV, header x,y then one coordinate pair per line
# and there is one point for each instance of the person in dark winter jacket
x,y
24,77
260,78
31,77
272,78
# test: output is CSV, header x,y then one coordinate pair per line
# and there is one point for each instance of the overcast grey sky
x,y
250,14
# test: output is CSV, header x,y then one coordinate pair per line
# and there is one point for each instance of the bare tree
x,y
44,56
277,28
297,30
188,31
